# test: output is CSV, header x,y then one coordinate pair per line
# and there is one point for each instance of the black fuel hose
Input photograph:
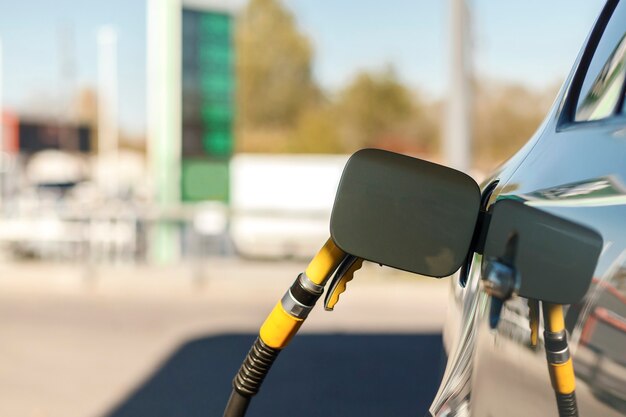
x,y
237,405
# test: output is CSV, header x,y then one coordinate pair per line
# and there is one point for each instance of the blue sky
x,y
527,41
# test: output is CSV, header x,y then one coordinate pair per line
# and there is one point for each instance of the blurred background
x,y
167,167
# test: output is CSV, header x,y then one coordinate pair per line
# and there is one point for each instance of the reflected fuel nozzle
x,y
550,261
560,364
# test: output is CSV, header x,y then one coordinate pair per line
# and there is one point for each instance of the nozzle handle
x,y
281,325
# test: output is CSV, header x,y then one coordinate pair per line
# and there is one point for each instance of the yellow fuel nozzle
x,y
291,311
283,323
324,263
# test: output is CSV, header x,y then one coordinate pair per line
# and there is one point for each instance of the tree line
x,y
281,108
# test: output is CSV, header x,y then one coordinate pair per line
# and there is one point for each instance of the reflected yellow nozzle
x,y
560,363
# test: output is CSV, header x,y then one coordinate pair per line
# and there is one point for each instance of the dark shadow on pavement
x,y
328,375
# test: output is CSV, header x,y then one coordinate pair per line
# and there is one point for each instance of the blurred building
x,y
75,187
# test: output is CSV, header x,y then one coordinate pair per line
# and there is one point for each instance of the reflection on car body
x,y
601,357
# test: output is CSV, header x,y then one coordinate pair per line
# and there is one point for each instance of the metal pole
x,y
107,100
458,139
164,64
68,137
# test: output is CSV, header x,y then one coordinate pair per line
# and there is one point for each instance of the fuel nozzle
x,y
287,317
282,324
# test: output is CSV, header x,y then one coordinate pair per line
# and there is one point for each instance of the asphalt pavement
x,y
80,341
328,375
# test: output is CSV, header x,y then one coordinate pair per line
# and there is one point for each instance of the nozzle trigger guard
x,y
344,274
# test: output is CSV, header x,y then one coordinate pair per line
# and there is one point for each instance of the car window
x,y
603,85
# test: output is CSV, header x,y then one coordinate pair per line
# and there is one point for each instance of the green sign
x,y
204,180
208,104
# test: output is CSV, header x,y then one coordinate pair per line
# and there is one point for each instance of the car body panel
x,y
576,170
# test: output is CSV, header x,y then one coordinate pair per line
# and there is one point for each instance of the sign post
x,y
108,136
458,138
164,116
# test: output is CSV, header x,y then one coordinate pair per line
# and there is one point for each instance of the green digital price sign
x,y
208,83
